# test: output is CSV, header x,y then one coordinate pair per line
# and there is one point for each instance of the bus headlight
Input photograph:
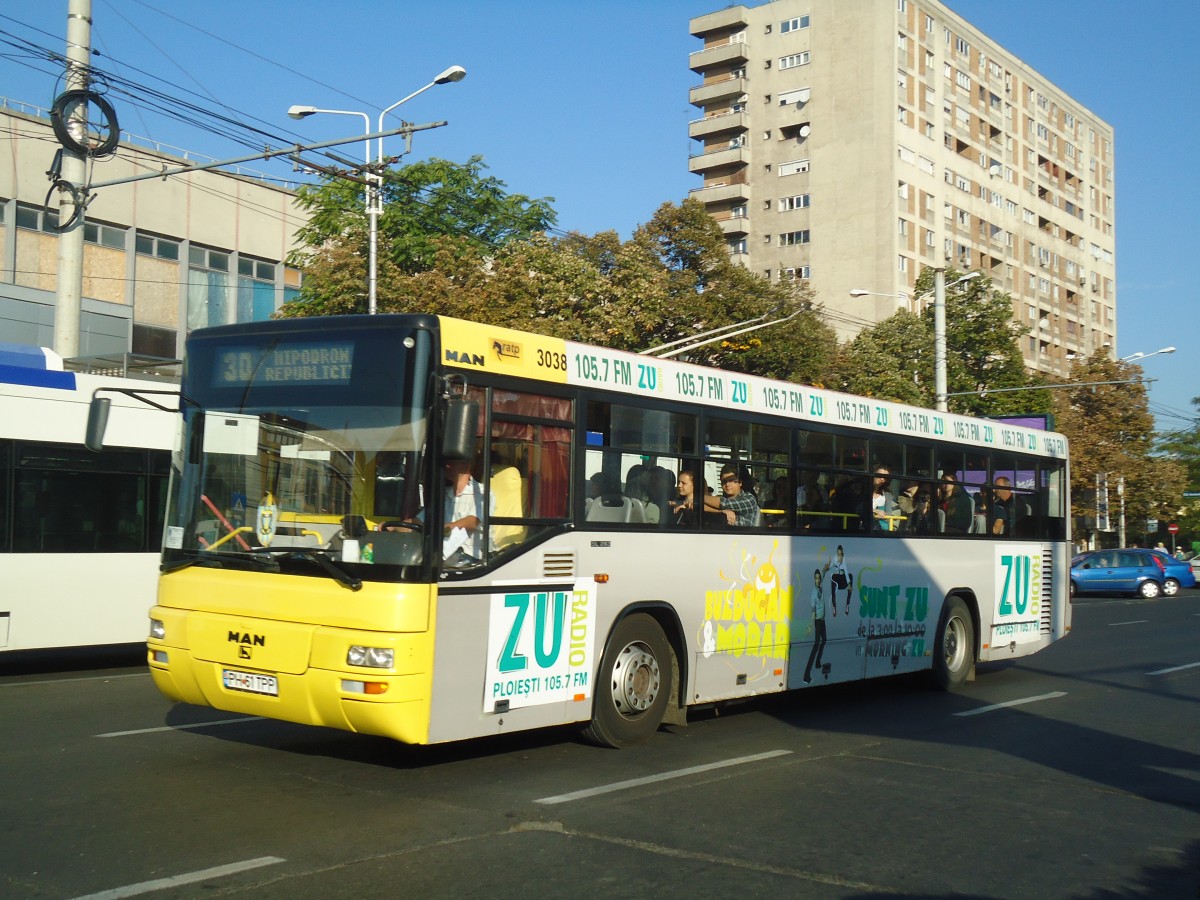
x,y
371,657
157,630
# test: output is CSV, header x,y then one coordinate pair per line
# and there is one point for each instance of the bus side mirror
x,y
97,423
462,425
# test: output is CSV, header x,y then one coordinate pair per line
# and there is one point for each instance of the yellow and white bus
x,y
311,572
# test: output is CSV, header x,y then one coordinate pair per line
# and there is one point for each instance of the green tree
x,y
892,360
1182,446
1111,433
423,203
983,352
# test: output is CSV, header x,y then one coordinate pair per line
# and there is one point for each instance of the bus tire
x,y
954,649
633,684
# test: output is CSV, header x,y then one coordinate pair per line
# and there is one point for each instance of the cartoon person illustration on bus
x,y
841,579
817,607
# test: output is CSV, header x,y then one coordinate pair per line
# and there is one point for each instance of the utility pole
x,y
939,339
69,302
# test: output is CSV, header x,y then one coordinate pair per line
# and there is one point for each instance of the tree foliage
x,y
423,203
894,359
673,279
1182,447
1111,432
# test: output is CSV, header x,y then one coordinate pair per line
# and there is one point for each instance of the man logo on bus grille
x,y
243,652
247,639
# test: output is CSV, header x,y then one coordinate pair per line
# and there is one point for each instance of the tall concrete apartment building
x,y
854,144
160,257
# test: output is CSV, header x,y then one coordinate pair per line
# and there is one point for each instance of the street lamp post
x,y
1140,355
939,328
374,175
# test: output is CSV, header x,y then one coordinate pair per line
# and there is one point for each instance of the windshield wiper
x,y
334,571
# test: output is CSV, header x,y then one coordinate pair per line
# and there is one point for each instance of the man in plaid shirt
x,y
740,507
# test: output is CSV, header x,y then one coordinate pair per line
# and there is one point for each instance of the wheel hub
x,y
636,679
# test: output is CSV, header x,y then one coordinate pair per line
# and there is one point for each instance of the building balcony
x,y
716,159
721,89
729,53
721,193
730,121
733,226
722,20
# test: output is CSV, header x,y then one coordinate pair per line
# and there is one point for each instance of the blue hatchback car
x,y
1146,573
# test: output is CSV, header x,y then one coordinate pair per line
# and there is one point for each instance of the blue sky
x,y
587,103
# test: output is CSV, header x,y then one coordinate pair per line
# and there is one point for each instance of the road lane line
x,y
11,684
665,776
1174,669
111,734
1131,622
995,706
161,884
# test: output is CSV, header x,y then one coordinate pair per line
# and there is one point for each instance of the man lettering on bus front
x,y
740,507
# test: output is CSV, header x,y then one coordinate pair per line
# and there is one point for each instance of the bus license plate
x,y
251,682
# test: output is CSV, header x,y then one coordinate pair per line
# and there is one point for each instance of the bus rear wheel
x,y
954,650
633,686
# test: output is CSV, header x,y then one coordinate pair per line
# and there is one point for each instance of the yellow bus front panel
x,y
219,648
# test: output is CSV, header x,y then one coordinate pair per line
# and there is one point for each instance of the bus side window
x,y
529,461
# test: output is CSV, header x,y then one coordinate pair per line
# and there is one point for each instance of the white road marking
x,y
73,680
160,884
180,727
1131,622
665,776
995,706
1174,669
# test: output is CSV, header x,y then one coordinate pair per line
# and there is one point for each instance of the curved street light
x,y
375,177
1141,355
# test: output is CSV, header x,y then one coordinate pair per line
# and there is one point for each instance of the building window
x,y
903,263
255,290
37,219
793,168
799,201
792,238
798,272
791,62
163,248
793,24
208,287
104,235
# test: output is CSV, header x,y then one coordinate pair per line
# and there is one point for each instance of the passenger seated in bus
x,y
913,503
1006,509
739,506
683,512
662,488
884,515
957,508
780,501
845,502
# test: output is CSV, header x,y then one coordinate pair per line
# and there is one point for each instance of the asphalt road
x,y
1075,773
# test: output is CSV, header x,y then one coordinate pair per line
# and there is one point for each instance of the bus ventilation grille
x,y
558,565
1047,592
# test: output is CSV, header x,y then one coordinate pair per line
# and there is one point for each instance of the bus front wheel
x,y
633,686
954,652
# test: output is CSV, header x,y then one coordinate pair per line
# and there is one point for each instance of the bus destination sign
x,y
293,364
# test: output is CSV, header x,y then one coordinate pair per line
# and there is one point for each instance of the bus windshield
x,y
304,453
